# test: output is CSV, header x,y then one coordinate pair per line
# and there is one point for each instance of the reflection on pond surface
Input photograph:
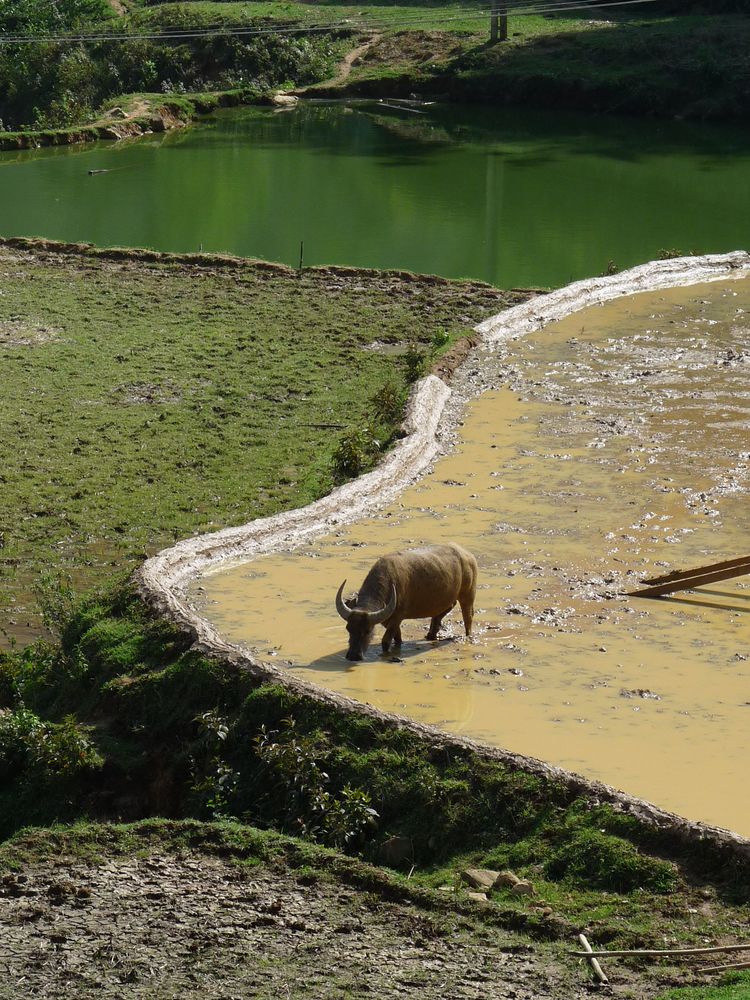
x,y
512,197
616,449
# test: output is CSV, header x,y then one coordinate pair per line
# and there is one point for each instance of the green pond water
x,y
511,197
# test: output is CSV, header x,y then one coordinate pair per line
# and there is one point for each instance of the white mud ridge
x,y
162,581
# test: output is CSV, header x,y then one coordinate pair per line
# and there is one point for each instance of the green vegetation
x,y
28,17
53,85
145,401
734,986
170,732
687,64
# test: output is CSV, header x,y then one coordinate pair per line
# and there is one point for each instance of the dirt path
x,y
163,926
345,66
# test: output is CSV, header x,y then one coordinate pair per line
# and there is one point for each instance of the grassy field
x,y
734,986
146,402
451,17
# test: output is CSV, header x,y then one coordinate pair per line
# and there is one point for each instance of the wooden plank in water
x,y
682,574
691,579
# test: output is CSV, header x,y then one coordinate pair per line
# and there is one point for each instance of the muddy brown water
x,y
611,446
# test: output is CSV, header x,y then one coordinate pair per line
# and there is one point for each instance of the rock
x,y
117,113
480,878
284,100
478,897
508,879
523,888
396,851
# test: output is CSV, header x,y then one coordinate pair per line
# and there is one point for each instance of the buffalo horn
x,y
375,617
343,609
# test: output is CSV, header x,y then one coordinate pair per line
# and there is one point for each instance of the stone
x,y
507,879
396,851
480,878
522,888
478,897
117,113
284,100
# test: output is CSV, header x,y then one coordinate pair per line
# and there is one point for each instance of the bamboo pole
x,y
589,954
684,574
727,968
690,583
654,953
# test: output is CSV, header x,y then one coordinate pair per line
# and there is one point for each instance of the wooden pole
x,y
654,953
726,968
588,953
684,574
498,22
698,579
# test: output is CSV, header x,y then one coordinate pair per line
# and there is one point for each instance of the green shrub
x,y
295,764
388,403
600,861
44,750
440,339
414,360
356,451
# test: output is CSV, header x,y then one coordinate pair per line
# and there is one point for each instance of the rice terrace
x,y
447,302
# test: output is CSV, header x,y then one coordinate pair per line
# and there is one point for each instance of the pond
x,y
611,447
516,198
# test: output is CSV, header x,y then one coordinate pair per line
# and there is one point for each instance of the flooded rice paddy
x,y
608,448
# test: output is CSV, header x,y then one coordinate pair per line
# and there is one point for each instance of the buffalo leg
x,y
392,634
467,610
435,624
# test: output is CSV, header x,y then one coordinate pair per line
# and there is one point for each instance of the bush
x,y
44,750
414,361
55,85
355,452
600,861
388,403
312,809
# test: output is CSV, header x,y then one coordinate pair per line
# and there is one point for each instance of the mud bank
x,y
144,118
164,579
163,118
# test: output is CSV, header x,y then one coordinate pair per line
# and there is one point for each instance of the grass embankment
x,y
146,400
123,720
686,64
683,66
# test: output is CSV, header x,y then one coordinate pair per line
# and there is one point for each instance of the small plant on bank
x,y
214,781
356,451
312,809
440,339
388,403
414,360
56,599
44,752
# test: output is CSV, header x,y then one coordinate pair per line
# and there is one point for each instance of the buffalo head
x,y
360,624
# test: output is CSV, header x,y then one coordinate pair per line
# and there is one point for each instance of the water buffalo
x,y
414,583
